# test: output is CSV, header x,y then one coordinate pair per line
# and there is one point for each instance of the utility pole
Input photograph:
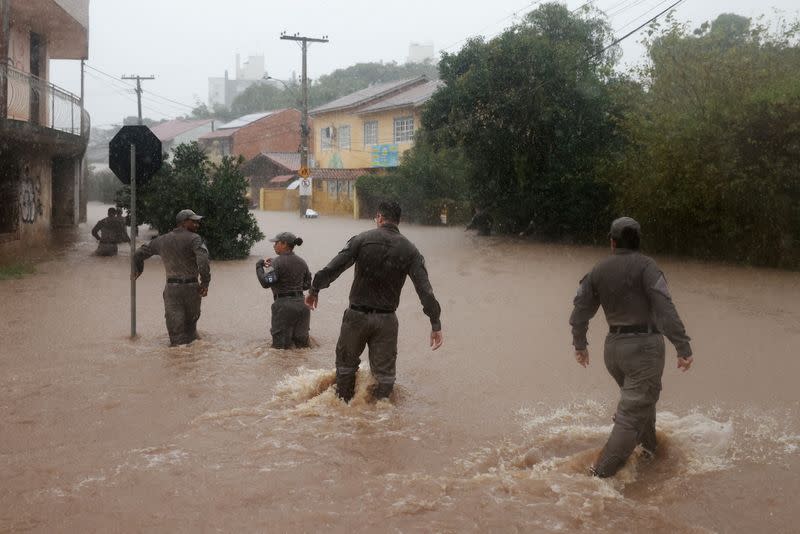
x,y
304,124
139,89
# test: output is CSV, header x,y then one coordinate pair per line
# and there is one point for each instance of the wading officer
x,y
633,293
185,257
288,276
109,231
383,258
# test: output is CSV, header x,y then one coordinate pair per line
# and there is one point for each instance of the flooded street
x,y
492,432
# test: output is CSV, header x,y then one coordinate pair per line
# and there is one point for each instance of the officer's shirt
x,y
291,272
632,291
383,258
110,230
183,252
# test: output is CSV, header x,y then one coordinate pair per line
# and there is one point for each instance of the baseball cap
x,y
286,237
187,214
621,224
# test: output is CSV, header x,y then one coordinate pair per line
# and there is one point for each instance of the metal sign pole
x,y
133,240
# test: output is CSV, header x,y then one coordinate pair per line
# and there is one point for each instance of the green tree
x,y
426,183
215,191
710,165
265,97
530,111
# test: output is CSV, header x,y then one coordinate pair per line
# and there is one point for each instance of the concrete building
x,y
420,53
44,130
223,91
364,132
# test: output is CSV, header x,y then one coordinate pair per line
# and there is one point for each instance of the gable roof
x,y
412,97
289,160
244,120
367,95
167,131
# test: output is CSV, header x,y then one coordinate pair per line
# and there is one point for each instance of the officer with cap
x,y
288,276
185,258
638,307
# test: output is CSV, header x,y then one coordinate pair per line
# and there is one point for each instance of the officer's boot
x,y
345,387
382,391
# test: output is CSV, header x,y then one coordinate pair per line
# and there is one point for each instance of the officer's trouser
x,y
378,331
106,249
182,310
291,320
636,361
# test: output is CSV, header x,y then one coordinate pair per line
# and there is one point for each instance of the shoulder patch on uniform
x,y
661,286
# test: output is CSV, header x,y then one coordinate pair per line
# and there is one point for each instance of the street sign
x,y
148,153
304,172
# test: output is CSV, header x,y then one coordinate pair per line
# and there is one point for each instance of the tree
x,y
215,191
530,111
710,164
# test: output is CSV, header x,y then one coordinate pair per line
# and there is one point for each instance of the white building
x,y
420,52
223,91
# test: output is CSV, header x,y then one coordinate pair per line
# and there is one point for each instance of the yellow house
x,y
370,128
364,132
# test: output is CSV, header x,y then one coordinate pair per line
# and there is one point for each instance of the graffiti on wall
x,y
30,196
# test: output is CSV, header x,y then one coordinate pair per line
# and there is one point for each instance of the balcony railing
x,y
31,99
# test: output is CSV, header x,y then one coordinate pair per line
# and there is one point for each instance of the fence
x,y
31,99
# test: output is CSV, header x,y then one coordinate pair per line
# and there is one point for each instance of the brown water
x,y
490,433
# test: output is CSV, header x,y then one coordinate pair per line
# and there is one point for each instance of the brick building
x,y
250,135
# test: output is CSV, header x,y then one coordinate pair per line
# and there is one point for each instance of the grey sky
x,y
183,42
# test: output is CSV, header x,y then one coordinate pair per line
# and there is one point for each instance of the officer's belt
x,y
633,329
181,280
367,309
288,294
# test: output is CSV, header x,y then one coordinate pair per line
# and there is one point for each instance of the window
x,y
325,138
333,188
403,129
370,133
344,137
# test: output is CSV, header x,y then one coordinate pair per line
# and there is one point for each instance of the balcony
x,y
40,103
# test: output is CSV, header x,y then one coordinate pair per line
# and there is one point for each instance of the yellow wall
x,y
321,201
279,200
358,156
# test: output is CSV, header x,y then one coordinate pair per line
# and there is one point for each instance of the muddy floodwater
x,y
491,433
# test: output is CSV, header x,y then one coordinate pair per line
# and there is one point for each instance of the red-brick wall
x,y
276,133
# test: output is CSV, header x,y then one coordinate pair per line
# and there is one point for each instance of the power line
x,y
617,41
123,92
157,95
513,14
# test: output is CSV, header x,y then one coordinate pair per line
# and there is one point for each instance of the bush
x,y
215,191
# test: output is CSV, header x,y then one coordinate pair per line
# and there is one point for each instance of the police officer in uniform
x,y
109,231
288,276
383,258
185,257
638,307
